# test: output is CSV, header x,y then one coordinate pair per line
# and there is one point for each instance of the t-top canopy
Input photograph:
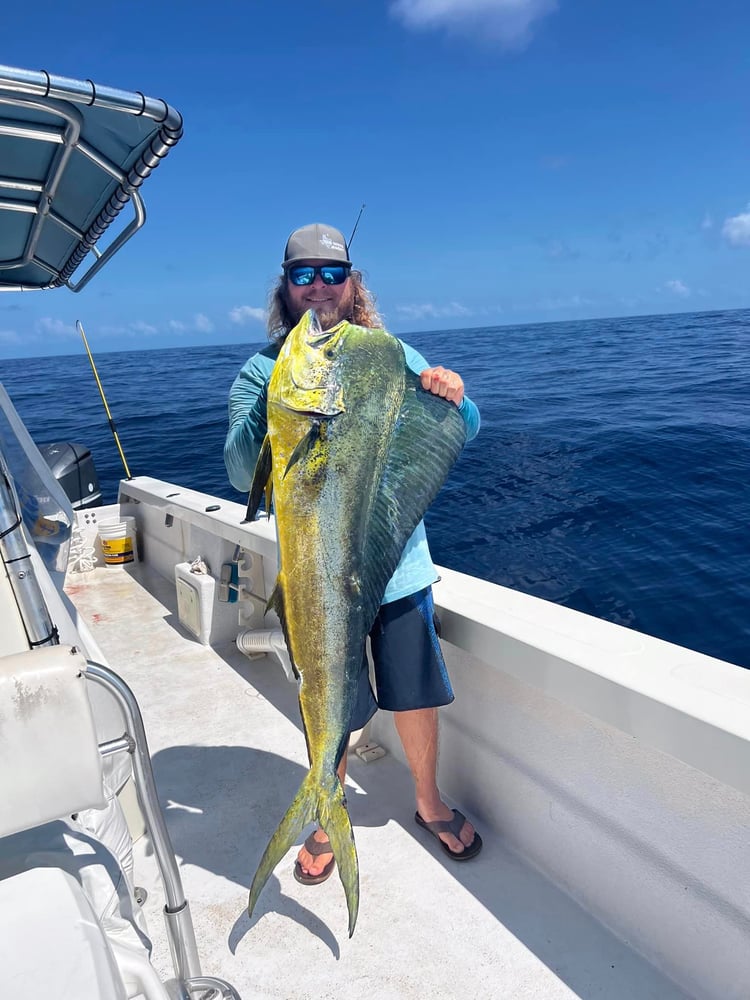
x,y
72,155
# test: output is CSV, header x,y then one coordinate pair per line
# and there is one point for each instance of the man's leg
x,y
418,731
313,864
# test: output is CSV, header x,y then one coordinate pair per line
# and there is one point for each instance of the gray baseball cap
x,y
315,242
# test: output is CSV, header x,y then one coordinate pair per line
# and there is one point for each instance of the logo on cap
x,y
326,240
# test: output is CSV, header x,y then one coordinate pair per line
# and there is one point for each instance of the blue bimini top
x,y
73,156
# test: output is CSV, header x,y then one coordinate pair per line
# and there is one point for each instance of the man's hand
x,y
443,382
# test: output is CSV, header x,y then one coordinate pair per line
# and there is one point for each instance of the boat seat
x,y
52,769
52,945
67,845
51,761
77,961
61,891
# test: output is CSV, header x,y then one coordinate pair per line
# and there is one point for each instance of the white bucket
x,y
119,541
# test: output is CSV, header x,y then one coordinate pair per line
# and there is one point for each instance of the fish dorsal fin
x,y
427,439
262,481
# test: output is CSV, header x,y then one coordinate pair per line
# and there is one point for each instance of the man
x,y
317,274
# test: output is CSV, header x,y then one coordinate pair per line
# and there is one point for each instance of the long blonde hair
x,y
280,320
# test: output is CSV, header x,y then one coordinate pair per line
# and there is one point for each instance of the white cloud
x,y
203,324
140,327
678,287
55,327
504,21
9,337
736,229
199,322
247,314
428,311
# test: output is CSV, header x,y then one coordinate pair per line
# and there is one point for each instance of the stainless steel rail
x,y
180,930
37,623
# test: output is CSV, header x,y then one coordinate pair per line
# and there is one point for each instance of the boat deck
x,y
228,753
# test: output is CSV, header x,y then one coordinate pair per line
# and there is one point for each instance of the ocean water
x,y
610,474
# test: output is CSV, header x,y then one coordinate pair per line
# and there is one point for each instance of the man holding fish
x,y
291,430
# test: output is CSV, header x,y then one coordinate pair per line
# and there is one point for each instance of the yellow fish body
x,y
356,451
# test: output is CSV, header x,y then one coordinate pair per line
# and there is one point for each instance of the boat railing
x,y
33,510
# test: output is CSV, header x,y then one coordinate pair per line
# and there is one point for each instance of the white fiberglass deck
x,y
228,752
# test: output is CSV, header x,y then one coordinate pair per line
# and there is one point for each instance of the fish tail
x,y
334,818
299,813
324,802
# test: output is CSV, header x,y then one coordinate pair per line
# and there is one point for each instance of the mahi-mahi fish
x,y
355,453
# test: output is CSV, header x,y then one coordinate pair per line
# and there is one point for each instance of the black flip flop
x,y
453,826
315,847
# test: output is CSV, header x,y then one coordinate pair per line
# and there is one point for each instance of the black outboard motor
x,y
73,467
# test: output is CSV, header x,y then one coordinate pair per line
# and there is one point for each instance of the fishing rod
x,y
348,245
79,327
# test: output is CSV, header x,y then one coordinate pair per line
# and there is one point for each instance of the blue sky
x,y
520,160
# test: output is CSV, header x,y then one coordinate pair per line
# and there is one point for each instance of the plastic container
x,y
119,541
195,601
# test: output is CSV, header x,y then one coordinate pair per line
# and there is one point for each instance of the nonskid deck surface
x,y
228,752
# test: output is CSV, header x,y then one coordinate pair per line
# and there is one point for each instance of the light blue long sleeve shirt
x,y
247,429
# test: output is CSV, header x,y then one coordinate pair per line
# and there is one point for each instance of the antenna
x,y
348,245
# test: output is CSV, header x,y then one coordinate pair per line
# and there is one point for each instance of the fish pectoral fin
x,y
261,479
304,446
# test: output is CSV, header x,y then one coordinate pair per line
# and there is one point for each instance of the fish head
x,y
307,374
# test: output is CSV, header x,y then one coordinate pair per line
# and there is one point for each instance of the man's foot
x,y
314,863
457,836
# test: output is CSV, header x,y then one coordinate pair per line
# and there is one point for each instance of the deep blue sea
x,y
610,474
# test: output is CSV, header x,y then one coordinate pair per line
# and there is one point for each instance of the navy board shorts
x,y
408,662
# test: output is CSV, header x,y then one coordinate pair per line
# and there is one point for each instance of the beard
x,y
328,317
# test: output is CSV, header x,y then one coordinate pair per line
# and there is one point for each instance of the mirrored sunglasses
x,y
330,274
